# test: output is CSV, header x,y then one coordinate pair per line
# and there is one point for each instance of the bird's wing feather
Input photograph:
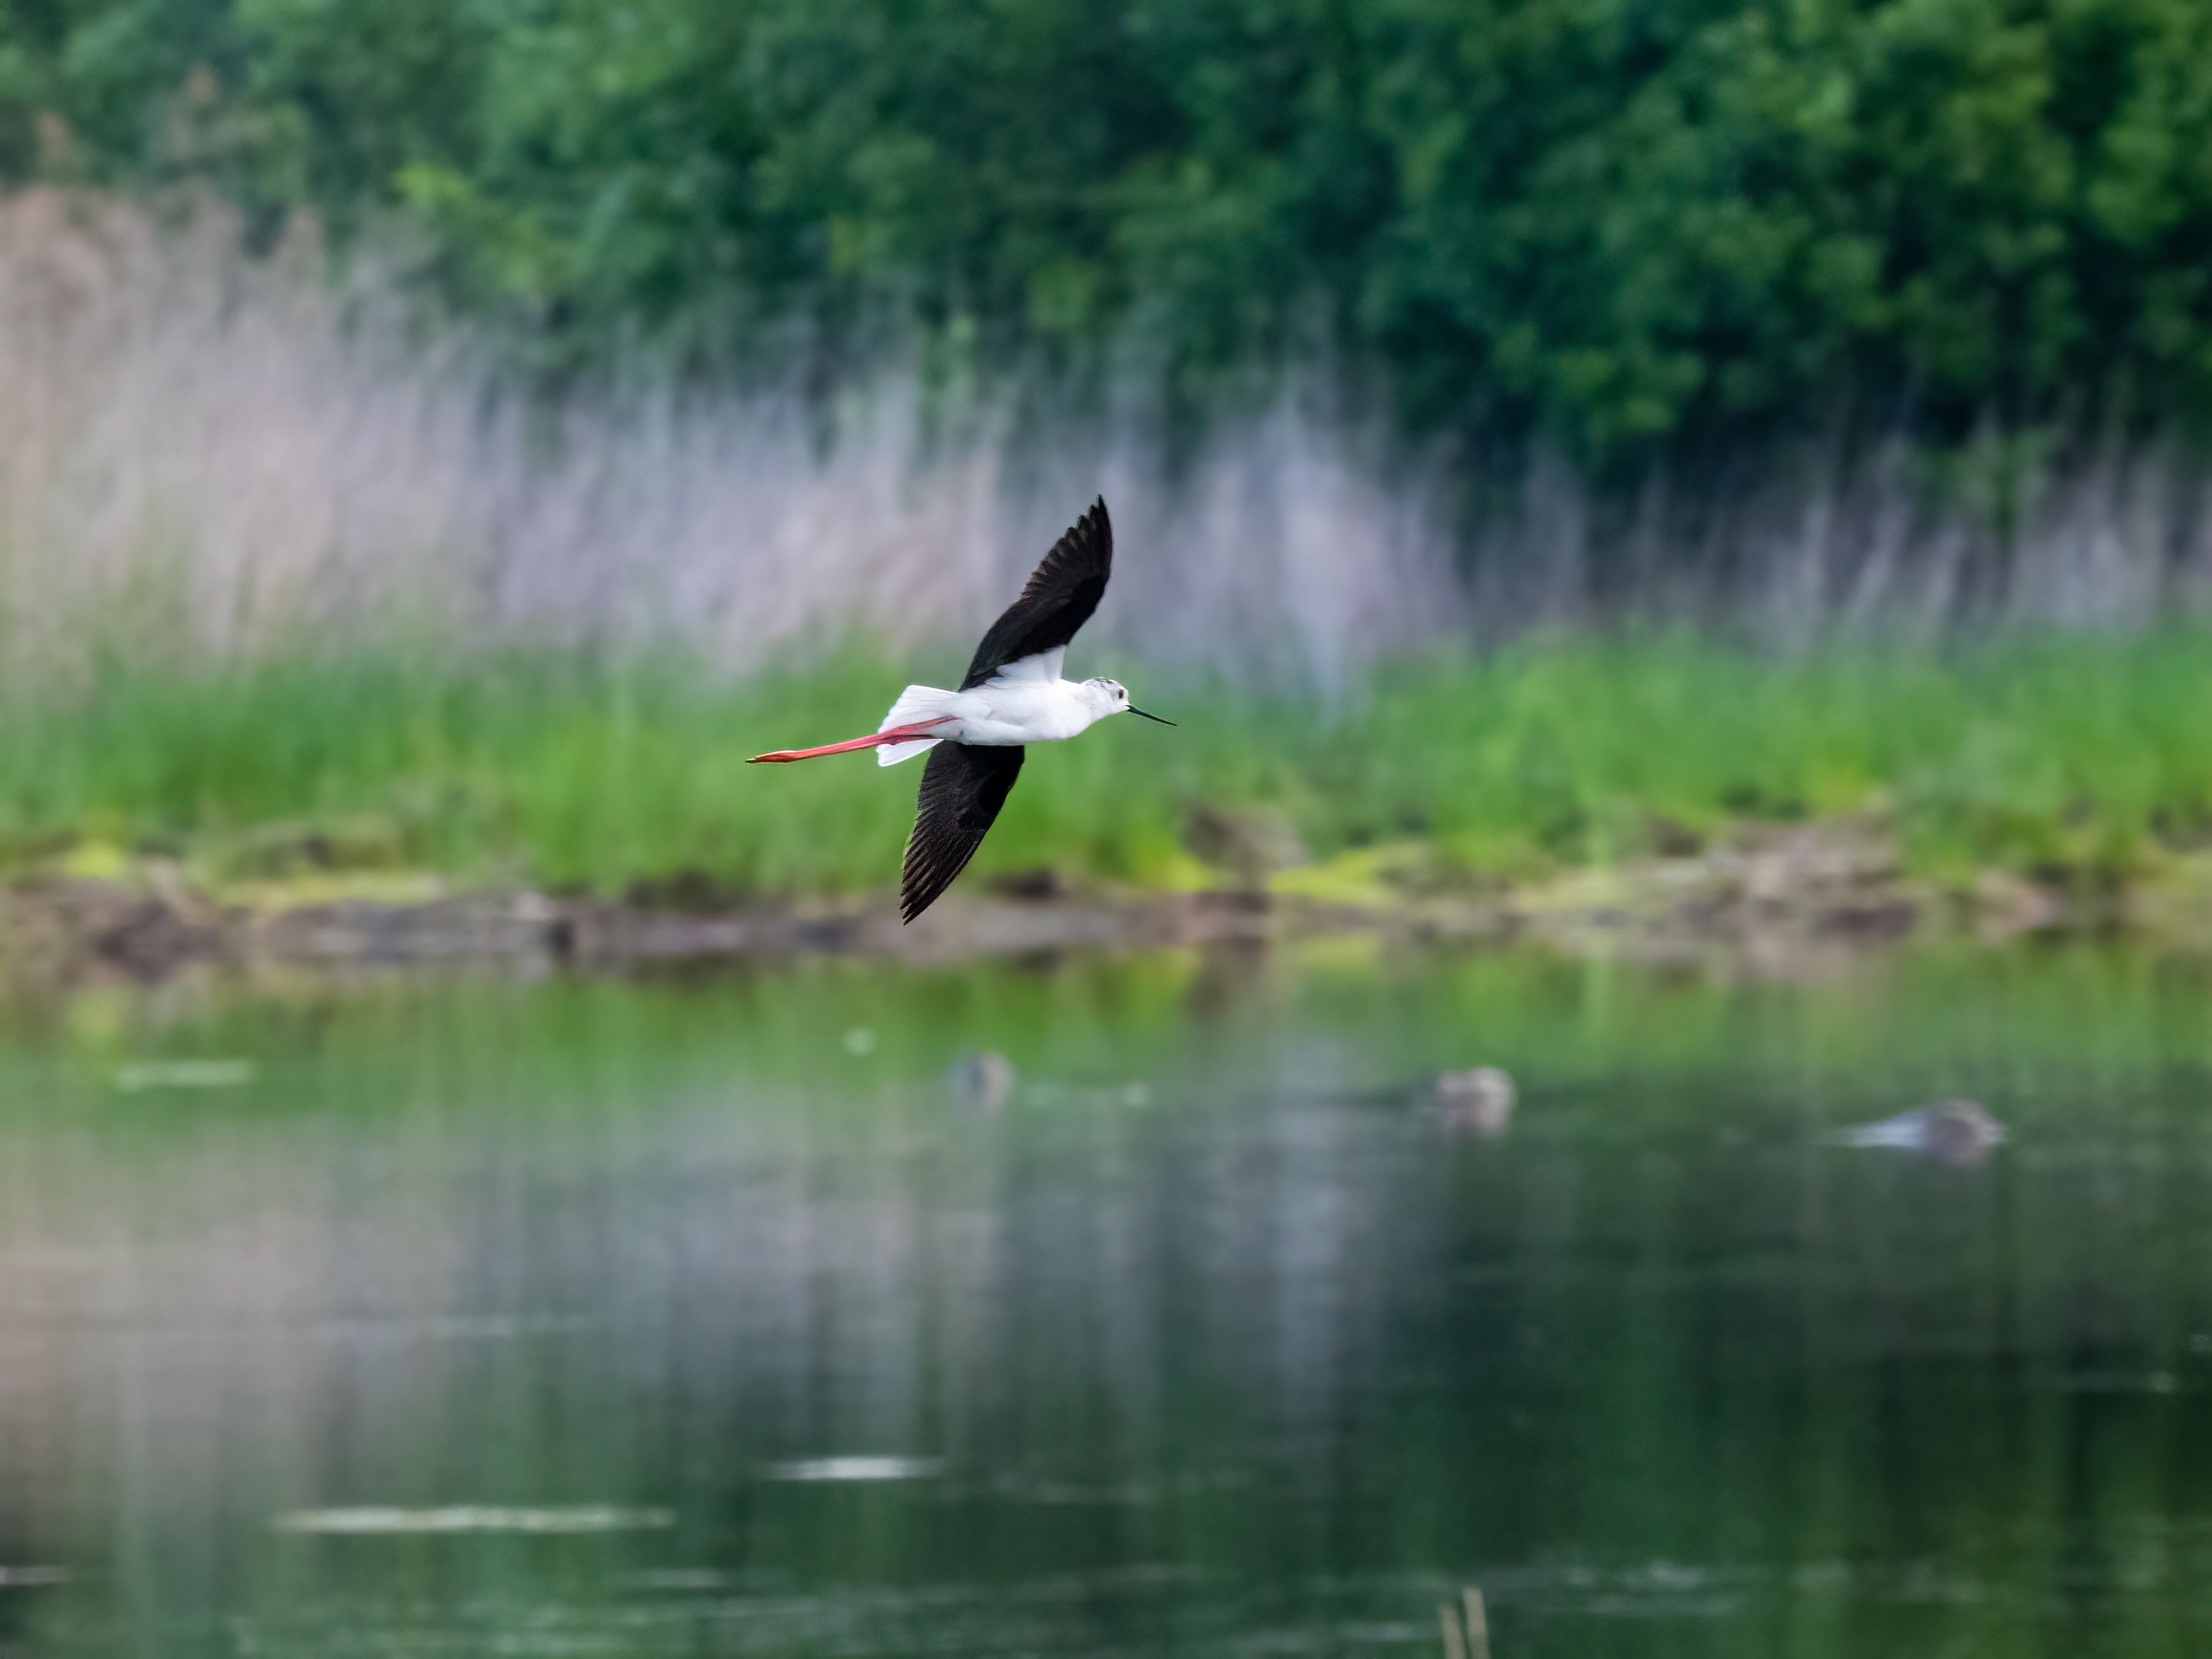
x,y
1043,668
962,788
1059,598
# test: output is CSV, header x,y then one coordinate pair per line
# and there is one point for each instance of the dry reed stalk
x,y
210,455
1467,1627
1454,1638
1477,1620
216,456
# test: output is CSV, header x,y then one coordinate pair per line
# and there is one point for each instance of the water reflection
x,y
633,1319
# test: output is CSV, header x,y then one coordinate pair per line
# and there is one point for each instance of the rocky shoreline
x,y
1770,896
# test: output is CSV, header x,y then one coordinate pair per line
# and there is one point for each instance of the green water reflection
x,y
430,1318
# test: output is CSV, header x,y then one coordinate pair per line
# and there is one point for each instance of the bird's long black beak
x,y
1135,710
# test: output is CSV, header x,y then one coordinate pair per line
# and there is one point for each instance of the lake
x,y
718,1314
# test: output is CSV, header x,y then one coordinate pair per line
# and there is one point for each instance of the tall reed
x,y
208,455
271,547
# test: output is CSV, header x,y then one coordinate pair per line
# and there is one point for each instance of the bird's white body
x,y
1026,702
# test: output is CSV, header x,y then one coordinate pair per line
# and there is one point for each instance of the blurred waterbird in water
x,y
984,1080
1478,1101
1954,1132
1012,695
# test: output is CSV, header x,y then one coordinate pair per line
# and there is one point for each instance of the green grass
x,y
2089,752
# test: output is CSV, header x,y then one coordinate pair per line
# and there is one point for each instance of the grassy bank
x,y
2088,752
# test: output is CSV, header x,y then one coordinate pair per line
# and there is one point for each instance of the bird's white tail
x,y
915,704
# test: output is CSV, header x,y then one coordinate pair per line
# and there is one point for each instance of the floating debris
x,y
857,1468
474,1517
1477,1102
984,1080
184,1074
1957,1133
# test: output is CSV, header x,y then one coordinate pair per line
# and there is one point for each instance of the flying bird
x,y
1012,695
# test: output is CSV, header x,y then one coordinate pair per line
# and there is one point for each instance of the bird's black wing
x,y
962,788
1059,598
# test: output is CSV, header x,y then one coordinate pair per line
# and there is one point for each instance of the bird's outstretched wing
x,y
962,788
1059,598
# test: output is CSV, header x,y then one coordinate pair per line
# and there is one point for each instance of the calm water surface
x,y
705,1318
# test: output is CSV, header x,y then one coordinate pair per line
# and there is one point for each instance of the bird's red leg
x,y
896,734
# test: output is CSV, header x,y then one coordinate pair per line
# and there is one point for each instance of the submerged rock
x,y
1478,1102
984,1080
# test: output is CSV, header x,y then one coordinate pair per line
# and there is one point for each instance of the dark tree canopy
x,y
1617,223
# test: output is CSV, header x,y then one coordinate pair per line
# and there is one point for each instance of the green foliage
x,y
2086,753
1620,224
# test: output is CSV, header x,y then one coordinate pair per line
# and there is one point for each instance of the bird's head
x,y
1112,698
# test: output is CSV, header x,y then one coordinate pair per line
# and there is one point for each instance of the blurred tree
x,y
1623,224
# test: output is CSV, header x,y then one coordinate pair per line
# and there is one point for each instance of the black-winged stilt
x,y
1013,695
